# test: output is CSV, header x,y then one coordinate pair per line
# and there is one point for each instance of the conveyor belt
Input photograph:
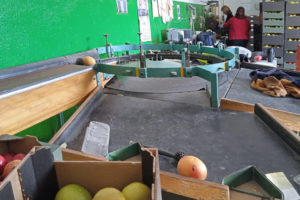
x,y
226,141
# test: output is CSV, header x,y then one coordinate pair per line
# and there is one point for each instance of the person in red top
x,y
239,27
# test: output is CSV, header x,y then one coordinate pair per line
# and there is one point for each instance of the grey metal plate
x,y
195,97
242,91
226,141
157,85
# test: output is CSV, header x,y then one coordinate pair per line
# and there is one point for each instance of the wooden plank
x,y
229,104
193,188
290,120
24,110
63,128
277,126
72,155
103,80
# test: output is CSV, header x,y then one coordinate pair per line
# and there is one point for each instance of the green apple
x,y
74,192
137,191
109,193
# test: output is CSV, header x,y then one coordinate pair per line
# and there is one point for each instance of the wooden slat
x,y
103,80
24,110
229,104
72,155
290,120
193,188
63,128
278,127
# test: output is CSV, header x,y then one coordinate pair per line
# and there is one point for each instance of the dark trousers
x,y
240,43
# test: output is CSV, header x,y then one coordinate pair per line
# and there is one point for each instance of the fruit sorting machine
x,y
225,140
218,60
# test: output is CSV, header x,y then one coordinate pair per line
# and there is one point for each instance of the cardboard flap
x,y
150,155
96,175
148,167
7,192
17,145
38,175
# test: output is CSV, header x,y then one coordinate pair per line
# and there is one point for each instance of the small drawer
x,y
273,40
267,29
292,33
292,8
267,15
290,57
273,22
292,21
291,45
273,6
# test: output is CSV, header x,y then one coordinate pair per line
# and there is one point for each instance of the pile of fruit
x,y
8,162
133,191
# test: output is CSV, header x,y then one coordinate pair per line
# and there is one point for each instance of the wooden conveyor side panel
x,y
193,188
24,110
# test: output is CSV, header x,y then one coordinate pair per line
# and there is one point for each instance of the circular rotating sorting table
x,y
209,62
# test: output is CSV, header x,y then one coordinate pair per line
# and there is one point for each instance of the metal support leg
x,y
98,78
214,90
61,119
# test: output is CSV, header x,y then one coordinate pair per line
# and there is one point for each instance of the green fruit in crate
x,y
109,193
74,192
137,191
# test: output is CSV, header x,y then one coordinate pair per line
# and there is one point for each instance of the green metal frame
x,y
208,72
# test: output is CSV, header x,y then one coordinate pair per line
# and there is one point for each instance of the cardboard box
x,y
14,144
40,177
72,155
11,187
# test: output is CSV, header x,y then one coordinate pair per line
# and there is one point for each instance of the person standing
x,y
226,10
239,27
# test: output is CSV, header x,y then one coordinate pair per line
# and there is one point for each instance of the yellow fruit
x,y
74,192
109,193
137,191
88,60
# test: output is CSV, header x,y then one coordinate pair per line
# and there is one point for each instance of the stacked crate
x,y
292,33
273,28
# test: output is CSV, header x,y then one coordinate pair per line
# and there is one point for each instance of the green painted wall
x,y
34,30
